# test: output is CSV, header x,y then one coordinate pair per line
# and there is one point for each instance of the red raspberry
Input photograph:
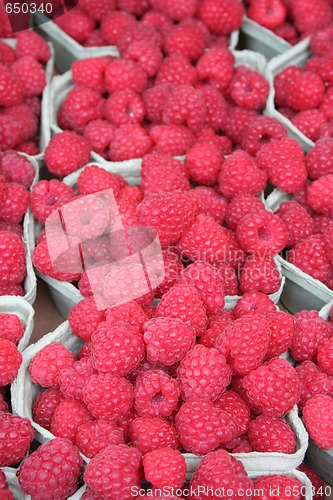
x,y
263,130
205,240
67,418
162,173
129,141
310,122
185,38
10,361
216,67
12,290
12,259
311,15
17,434
260,275
84,318
268,13
97,10
165,467
318,484
149,434
124,107
175,10
44,406
108,396
94,178
235,257
235,406
228,277
80,106
53,469
15,203
177,70
173,266
276,377
255,334
208,136
11,93
284,484
11,227
147,55
242,445
222,18
215,205
326,107
203,162
282,327
10,132
26,119
217,323
167,340
156,394
29,148
185,106
321,223
240,206
320,195
202,427
11,327
158,20
90,72
312,381
237,122
131,313
311,257
30,74
318,159
69,260
170,214
93,437
240,173
307,84
325,356
7,54
155,99
171,139
135,7
311,330
114,24
271,434
65,153
49,196
203,371
122,74
216,107
298,222
254,302
76,24
317,418
47,364
17,168
321,42
248,88
71,380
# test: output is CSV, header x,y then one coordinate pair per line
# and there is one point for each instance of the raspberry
x,y
175,10
205,240
308,85
317,418
298,222
156,394
177,70
203,371
254,302
268,13
97,10
65,153
11,327
317,483
248,88
162,173
321,223
311,330
29,148
165,467
167,340
203,162
172,268
283,484
30,74
222,18
47,364
15,203
71,380
124,74
94,178
170,214
309,122
320,195
3,405
30,43
282,327
155,99
10,361
93,437
80,106
11,227
235,406
158,20
131,313
216,112
44,406
240,173
228,277
171,139
67,418
7,54
12,290
108,396
312,381
53,469
325,356
17,434
242,445
217,323
185,38
237,123
326,106
255,334
216,67
271,434
129,141
124,107
202,427
260,275
84,318
311,15
318,159
17,168
147,55
11,93
310,256
149,434
114,24
210,202
12,259
185,106
26,119
263,130
241,205
10,132
135,7
76,24
43,263
49,196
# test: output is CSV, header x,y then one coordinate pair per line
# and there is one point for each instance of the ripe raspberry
x,y
158,20
155,99
114,24
15,203
254,303
93,437
203,371
222,18
241,205
30,43
76,24
216,108
17,168
325,356
31,75
307,84
67,418
43,263
177,70
129,141
229,278
310,122
11,93
248,88
17,434
97,10
263,130
49,196
167,340
10,132
260,275
208,136
10,361
156,394
147,55
271,434
217,323
242,445
270,14
28,147
94,178
209,202
321,42
298,222
71,380
282,327
12,290
131,313
175,10
312,381
89,73
162,173
254,341
321,223
165,467
203,162
311,15
124,74
124,107
81,105
236,408
11,227
65,153
310,256
326,109
241,174
317,418
281,483
202,427
44,406
173,266
216,67
149,434
84,318
318,160
47,364
311,330
170,214
108,396
25,118
12,259
185,106
11,327
237,122
186,38
283,160
53,469
172,139
317,483
320,195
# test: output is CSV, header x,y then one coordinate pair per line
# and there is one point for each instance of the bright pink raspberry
x,y
11,327
185,38
165,467
248,88
307,84
216,107
31,75
131,313
203,162
317,418
216,67
311,15
318,160
260,275
311,330
12,289
65,153
84,318
298,222
177,70
312,381
76,24
172,139
237,122
208,136
44,264
270,14
148,56
129,141
10,132
173,266
25,119
10,361
241,205
44,406
47,364
114,24
30,43
123,74
155,99
326,105
325,356
11,89
156,394
185,106
15,202
235,406
71,380
310,256
209,202
94,436
138,32
17,434
310,122
12,259
49,196
152,433
89,72
255,333
163,173
320,195
254,303
282,327
124,107
98,133
266,484
271,434
222,18
67,418
158,20
229,277
81,106
94,178
167,340
11,227
16,168
263,130
217,323
242,445
175,10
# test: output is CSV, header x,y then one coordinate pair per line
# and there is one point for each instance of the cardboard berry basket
x,y
296,56
30,283
25,312
301,290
